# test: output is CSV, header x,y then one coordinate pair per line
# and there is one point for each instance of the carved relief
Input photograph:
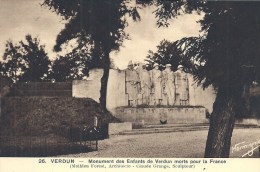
x,y
182,87
156,87
156,77
146,84
132,85
168,85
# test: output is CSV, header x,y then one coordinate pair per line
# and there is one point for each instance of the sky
x,y
21,17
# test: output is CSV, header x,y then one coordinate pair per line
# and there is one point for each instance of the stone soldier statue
x,y
132,85
156,76
145,82
168,84
182,87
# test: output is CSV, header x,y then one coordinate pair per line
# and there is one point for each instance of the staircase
x,y
167,128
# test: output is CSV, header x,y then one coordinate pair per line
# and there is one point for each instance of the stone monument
x,y
156,87
146,84
132,85
150,96
182,87
168,86
156,78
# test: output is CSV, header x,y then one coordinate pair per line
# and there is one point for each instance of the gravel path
x,y
189,144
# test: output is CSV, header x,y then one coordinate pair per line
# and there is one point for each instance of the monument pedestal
x,y
153,115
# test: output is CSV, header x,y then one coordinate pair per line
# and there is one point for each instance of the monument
x,y
150,96
156,87
145,83
182,87
132,83
168,86
156,93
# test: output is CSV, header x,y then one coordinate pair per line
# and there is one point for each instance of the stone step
x,y
174,125
170,128
134,132
149,129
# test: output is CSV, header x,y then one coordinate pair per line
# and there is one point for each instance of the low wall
x,y
116,128
249,121
83,89
154,115
45,89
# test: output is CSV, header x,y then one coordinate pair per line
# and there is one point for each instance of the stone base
x,y
250,121
116,128
162,115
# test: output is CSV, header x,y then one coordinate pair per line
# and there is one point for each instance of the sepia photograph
x,y
129,79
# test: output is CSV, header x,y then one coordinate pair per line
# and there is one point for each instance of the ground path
x,y
189,144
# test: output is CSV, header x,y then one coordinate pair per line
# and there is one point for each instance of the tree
x,y
13,64
102,21
69,67
74,65
25,62
64,69
170,53
37,61
226,49
77,63
226,52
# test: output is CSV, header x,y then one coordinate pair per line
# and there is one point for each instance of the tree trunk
x,y
104,80
221,126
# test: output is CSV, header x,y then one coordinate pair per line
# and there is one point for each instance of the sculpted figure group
x,y
156,87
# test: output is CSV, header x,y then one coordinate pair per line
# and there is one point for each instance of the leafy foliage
x,y
228,58
74,65
170,53
101,21
169,9
26,61
228,52
67,68
231,44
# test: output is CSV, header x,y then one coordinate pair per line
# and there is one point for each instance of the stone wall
x,y
44,89
116,128
88,88
91,87
200,96
154,115
249,121
116,90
